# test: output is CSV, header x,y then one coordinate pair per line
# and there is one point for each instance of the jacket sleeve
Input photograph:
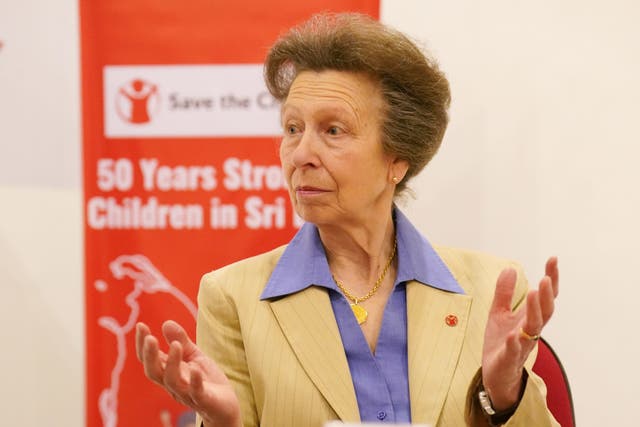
x,y
219,336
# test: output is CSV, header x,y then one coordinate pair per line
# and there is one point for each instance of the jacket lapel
x,y
434,345
307,321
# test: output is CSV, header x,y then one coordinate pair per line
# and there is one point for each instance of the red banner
x,y
181,173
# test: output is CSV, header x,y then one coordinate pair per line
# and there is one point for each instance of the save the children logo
x,y
137,101
173,101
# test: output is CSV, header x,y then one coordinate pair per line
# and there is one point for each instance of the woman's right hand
x,y
188,375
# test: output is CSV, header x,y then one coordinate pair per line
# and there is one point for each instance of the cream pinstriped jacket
x,y
287,364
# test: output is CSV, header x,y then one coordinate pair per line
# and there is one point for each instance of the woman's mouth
x,y
306,190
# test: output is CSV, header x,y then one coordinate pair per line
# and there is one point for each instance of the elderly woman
x,y
358,317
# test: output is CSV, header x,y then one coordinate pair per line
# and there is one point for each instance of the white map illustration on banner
x,y
147,279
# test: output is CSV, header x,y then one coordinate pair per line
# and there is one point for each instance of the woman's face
x,y
331,152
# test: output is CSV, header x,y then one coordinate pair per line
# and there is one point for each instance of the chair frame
x,y
558,364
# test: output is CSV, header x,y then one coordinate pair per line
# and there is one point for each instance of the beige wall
x,y
41,298
540,158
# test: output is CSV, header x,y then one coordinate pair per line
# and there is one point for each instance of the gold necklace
x,y
359,311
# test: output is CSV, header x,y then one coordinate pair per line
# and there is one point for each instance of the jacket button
x,y
382,415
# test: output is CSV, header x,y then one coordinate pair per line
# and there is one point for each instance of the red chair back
x,y
559,399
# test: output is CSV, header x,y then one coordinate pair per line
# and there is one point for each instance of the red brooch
x,y
451,320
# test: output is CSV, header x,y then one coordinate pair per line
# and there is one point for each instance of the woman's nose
x,y
306,151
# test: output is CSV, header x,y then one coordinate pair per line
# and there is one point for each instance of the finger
x,y
172,331
153,365
176,377
142,331
196,389
533,320
513,344
546,298
551,270
505,286
517,353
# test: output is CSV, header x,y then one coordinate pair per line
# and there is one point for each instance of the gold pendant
x,y
360,313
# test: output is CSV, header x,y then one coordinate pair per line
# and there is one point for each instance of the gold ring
x,y
525,335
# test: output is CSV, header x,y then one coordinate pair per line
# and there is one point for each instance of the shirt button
x,y
382,415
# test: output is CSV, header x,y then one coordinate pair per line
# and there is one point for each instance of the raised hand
x,y
511,336
188,375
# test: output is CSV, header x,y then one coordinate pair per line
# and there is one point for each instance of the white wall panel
x,y
541,158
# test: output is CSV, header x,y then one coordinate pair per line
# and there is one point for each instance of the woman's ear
x,y
397,170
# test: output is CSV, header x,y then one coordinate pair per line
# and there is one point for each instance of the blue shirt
x,y
380,380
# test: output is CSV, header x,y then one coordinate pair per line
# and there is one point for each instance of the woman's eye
x,y
291,129
334,130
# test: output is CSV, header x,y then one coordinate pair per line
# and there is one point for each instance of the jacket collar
x,y
304,262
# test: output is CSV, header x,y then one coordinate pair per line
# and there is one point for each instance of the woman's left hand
x,y
510,336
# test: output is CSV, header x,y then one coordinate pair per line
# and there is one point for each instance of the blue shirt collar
x,y
304,262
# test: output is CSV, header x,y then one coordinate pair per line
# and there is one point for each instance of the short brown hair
x,y
416,92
